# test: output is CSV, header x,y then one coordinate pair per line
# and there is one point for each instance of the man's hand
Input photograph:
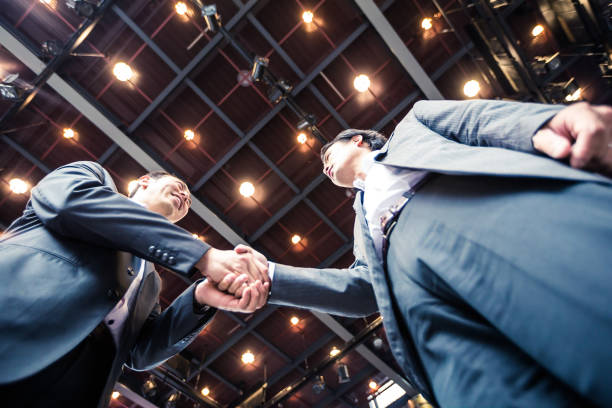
x,y
216,264
254,295
243,249
582,133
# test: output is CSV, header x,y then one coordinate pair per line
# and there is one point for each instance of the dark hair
x,y
374,139
154,175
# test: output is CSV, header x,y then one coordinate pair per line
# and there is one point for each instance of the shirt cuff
x,y
271,267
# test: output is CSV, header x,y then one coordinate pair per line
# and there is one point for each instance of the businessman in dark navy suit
x,y
490,261
79,296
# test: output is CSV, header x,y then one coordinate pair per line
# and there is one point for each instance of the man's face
x,y
166,195
343,160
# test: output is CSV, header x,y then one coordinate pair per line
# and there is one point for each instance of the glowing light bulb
x,y
115,395
426,24
574,96
205,391
361,83
248,357
45,1
307,16
372,385
294,320
68,133
132,185
18,186
334,351
247,189
295,239
122,71
471,88
195,236
189,135
301,138
537,30
181,8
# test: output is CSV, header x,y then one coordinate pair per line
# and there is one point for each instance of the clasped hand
x,y
581,133
237,280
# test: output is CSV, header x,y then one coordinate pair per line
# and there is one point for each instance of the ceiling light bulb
x,y
294,320
189,135
115,395
537,30
205,391
574,96
248,357
295,239
46,1
471,88
132,186
426,24
307,16
68,133
334,351
301,138
195,236
361,83
122,71
247,189
372,385
181,8
18,186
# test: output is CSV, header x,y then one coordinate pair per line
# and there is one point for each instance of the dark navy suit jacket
x,y
71,256
490,138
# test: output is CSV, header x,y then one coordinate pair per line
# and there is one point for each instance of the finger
x,y
552,143
255,296
242,249
237,284
244,300
263,294
588,146
226,282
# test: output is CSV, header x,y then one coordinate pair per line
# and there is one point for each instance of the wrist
x,y
199,303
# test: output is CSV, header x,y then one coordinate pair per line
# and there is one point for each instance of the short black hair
x,y
153,175
373,138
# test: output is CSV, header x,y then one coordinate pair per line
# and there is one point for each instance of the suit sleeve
x,y
77,201
509,125
167,333
345,292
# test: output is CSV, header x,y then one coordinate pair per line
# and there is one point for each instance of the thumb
x,y
242,249
552,143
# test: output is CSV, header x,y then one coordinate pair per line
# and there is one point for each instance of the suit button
x,y
158,253
171,260
130,271
151,249
164,257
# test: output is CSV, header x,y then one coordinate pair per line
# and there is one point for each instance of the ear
x,y
144,181
357,139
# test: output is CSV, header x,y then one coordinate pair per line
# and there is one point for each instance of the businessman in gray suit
x,y
490,262
79,293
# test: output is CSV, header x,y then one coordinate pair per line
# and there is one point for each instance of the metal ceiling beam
x,y
76,39
356,378
25,153
366,353
190,67
110,129
379,125
198,91
133,396
399,49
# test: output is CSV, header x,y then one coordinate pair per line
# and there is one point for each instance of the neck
x,y
361,172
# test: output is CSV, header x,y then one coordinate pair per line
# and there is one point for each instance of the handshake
x,y
236,280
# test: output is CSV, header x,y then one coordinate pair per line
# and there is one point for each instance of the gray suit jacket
x,y
449,137
71,256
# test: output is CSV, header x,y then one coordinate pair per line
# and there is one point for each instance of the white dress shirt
x,y
383,187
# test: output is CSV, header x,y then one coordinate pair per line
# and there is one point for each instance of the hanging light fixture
x,y
361,83
122,71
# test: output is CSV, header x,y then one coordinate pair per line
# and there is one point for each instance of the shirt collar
x,y
367,163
